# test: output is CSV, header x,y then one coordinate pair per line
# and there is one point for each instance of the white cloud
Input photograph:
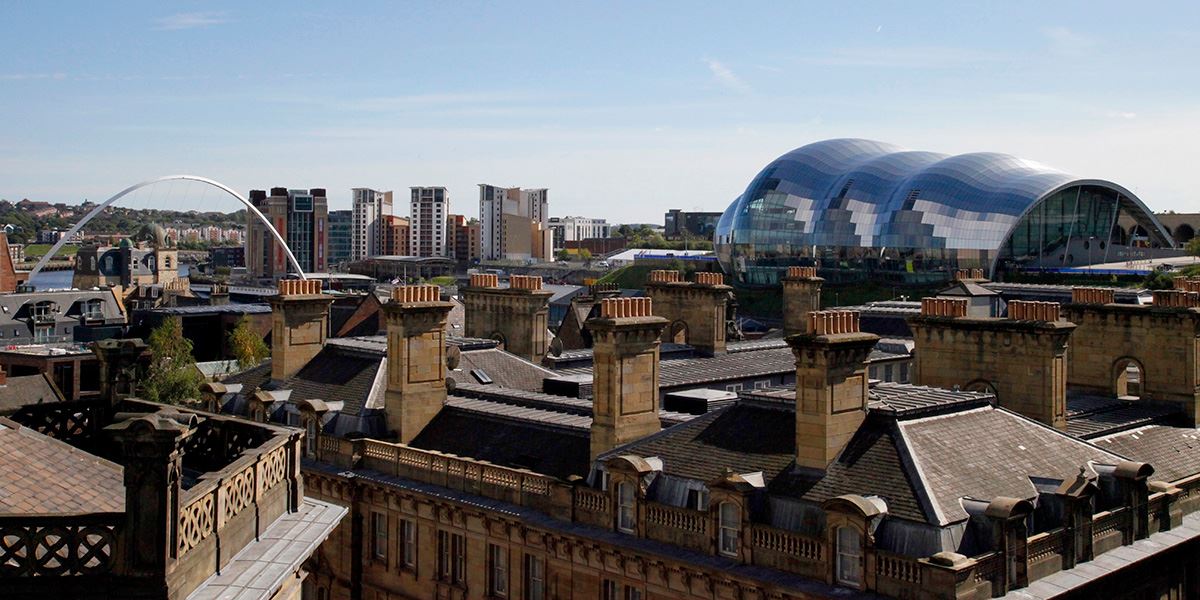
x,y
726,77
1119,114
192,20
1067,42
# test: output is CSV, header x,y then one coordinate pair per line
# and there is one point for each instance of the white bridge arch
x,y
100,207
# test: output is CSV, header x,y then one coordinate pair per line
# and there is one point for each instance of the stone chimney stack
x,y
299,325
518,315
801,296
831,385
625,372
416,358
1022,359
219,294
698,307
1159,341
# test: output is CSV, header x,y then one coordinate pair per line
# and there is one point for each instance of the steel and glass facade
x,y
866,209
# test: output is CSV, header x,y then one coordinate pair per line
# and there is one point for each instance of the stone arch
x,y
985,386
103,205
1127,382
677,332
1184,234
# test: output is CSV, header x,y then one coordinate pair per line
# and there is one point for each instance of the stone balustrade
x,y
58,545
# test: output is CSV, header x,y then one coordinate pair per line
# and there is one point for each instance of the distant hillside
x,y
28,217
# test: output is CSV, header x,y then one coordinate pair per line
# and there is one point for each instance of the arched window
x,y
849,556
730,522
625,507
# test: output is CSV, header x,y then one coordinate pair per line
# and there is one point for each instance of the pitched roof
x,y
340,374
1173,451
920,449
17,391
503,368
41,475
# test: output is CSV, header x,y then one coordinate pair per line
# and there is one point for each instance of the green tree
x,y
248,347
172,377
1193,246
585,255
563,254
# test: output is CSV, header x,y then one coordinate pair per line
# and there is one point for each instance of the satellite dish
x,y
556,346
453,356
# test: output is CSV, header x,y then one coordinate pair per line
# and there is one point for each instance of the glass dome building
x,y
862,209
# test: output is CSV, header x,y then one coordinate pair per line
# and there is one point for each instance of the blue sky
x,y
622,109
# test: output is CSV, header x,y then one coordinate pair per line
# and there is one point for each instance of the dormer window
x,y
729,516
311,431
849,557
626,521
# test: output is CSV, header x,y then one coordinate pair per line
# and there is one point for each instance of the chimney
x,y
1021,359
518,316
801,296
299,325
697,309
218,294
973,275
624,372
1158,341
416,358
831,385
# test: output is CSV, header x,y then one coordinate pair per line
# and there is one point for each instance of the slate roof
x,y
505,369
254,377
920,449
1174,452
339,373
1096,416
41,475
547,442
678,372
17,391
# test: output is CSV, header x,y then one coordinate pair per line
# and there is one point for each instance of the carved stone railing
x,y
1110,529
592,500
788,542
680,526
223,496
455,472
58,545
683,519
77,423
1044,553
896,568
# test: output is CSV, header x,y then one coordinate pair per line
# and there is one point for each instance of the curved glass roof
x,y
854,192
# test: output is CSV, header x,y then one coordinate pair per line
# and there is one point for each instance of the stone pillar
x,y
219,295
1076,496
118,368
1022,359
416,358
700,307
1133,479
149,447
625,372
801,295
1008,517
517,315
831,385
299,325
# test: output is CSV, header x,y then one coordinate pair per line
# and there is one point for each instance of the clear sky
x,y
622,109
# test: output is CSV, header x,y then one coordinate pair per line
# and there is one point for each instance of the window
x,y
497,571
535,578
451,557
610,590
310,437
697,499
632,593
731,525
408,544
379,536
849,556
625,507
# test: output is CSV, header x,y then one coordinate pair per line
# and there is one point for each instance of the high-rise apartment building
x,y
427,228
463,238
514,223
301,217
370,207
574,229
395,236
341,236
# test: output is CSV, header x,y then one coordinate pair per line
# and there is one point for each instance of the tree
x,y
585,255
172,377
247,346
1193,246
563,254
